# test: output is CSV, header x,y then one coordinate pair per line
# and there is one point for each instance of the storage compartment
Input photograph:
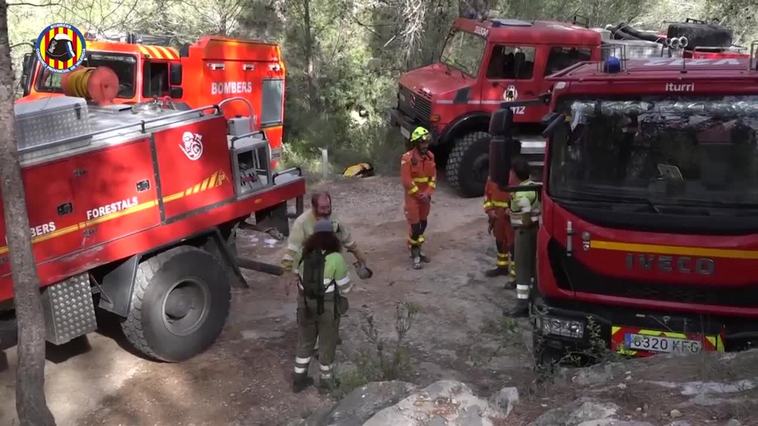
x,y
250,158
47,121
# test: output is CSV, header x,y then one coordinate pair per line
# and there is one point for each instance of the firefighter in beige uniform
x,y
302,228
524,213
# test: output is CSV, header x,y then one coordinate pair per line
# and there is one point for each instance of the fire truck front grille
x,y
573,275
415,105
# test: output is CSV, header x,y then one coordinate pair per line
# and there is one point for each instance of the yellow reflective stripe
x,y
432,184
487,204
674,250
503,204
421,179
421,239
413,242
413,190
217,179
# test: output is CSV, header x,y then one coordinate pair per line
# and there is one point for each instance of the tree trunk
x,y
30,375
476,7
309,61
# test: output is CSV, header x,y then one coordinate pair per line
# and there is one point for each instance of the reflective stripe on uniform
x,y
299,360
522,292
326,371
300,370
421,179
501,204
413,190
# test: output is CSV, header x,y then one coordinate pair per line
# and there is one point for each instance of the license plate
x,y
405,132
662,344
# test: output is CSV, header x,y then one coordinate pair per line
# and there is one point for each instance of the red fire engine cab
x,y
133,210
486,62
649,223
202,73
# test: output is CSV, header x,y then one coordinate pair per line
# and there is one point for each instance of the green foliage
x,y
383,359
344,57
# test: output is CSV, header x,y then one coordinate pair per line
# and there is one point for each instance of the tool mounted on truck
x,y
649,207
134,210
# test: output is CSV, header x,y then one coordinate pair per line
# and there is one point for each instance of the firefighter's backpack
x,y
313,274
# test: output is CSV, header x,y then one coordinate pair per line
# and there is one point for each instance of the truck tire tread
x,y
147,270
453,166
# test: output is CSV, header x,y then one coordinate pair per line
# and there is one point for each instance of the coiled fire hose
x,y
97,84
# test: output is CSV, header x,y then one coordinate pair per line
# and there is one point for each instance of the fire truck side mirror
x,y
501,122
176,92
26,73
502,146
176,74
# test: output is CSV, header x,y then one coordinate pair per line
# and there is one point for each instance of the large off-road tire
x,y
703,35
180,303
468,165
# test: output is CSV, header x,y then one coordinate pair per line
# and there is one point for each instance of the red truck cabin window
x,y
464,51
125,67
511,63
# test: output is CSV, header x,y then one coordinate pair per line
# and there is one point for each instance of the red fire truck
x,y
649,207
202,73
133,210
486,62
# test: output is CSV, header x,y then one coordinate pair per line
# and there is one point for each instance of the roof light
x,y
612,65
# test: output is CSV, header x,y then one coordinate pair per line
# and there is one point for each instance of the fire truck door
x,y
511,76
194,164
52,215
116,192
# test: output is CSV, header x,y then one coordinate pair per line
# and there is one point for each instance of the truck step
x,y
69,309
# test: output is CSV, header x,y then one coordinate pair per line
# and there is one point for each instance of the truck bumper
x,y
403,121
568,327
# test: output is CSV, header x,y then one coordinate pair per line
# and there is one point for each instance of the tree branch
x,y
33,4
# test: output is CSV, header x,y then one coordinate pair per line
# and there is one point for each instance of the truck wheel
x,y
179,304
468,164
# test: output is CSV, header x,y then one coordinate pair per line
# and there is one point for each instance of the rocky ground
x,y
456,333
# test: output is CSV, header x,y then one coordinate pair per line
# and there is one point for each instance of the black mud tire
x,y
182,274
703,35
468,159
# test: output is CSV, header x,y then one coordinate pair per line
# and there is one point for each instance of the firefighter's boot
x,y
496,272
521,310
300,382
416,257
502,265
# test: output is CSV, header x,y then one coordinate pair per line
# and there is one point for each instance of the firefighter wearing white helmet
x,y
419,176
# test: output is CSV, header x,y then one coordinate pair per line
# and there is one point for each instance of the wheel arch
x,y
470,122
116,281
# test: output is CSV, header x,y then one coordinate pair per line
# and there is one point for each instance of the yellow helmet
x,y
420,133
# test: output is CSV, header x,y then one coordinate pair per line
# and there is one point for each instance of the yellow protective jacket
x,y
302,229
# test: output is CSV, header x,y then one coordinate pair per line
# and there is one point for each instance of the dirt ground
x,y
245,377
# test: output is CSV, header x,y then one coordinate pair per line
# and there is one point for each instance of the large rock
x,y
363,402
505,400
584,411
445,402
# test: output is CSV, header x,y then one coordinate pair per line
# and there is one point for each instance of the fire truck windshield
x,y
464,52
125,67
664,155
